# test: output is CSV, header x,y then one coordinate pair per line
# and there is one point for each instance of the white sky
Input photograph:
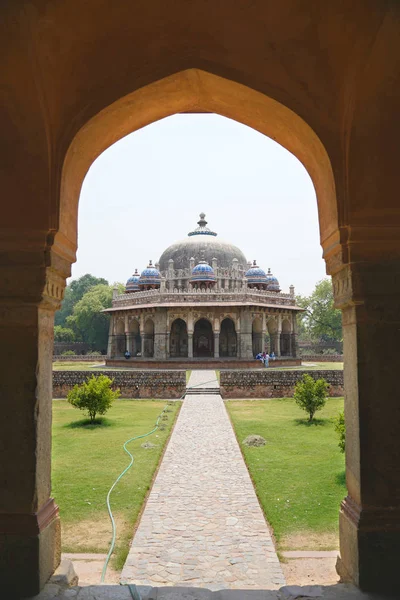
x,y
147,190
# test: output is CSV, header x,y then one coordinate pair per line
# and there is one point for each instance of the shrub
x,y
311,395
95,396
95,353
68,353
340,428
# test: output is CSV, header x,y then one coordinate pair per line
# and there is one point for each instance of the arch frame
x,y
194,90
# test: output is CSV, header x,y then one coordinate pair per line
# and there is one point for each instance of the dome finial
x,y
202,228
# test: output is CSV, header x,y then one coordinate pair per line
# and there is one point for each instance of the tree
x,y
340,428
88,322
63,334
321,320
73,293
95,396
311,395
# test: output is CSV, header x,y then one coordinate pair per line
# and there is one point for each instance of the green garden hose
x,y
132,588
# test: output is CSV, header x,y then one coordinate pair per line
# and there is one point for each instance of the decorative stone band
x,y
29,524
371,518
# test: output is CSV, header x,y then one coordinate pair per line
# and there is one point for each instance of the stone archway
x,y
135,340
256,336
178,339
148,339
203,339
59,114
120,340
285,338
227,338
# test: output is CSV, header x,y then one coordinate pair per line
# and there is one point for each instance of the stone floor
x,y
122,592
202,525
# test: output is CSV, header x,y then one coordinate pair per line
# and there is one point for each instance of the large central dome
x,y
202,245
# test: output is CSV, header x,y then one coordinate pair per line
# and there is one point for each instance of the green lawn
x,y
62,365
299,473
309,366
88,459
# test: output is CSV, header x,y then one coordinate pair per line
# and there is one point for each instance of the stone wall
x,y
322,358
273,384
133,384
78,358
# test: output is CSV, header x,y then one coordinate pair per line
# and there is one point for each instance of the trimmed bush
x,y
68,353
310,395
95,396
340,428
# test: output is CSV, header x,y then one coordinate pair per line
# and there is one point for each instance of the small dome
x,y
256,275
203,272
272,282
150,276
132,283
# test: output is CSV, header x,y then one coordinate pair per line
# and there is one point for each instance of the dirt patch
x,y
310,571
92,535
254,440
307,540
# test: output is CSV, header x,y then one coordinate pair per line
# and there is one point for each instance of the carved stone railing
x,y
218,296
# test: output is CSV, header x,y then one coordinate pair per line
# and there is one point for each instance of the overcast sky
x,y
147,190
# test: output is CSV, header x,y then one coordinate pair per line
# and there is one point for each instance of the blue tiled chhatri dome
x,y
150,277
255,275
272,282
132,285
203,272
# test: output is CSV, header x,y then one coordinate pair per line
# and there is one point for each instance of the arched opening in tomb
x,y
227,338
120,341
178,340
203,339
135,341
257,336
148,339
286,338
272,328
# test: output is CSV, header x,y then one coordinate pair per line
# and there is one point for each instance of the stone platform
x,y
198,363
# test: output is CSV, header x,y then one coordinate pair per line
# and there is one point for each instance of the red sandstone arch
x,y
194,90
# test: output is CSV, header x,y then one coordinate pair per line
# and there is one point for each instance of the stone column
x,y
30,542
370,515
111,350
190,344
216,344
278,342
246,345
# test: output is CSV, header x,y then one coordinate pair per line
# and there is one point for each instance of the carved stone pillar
x,y
370,515
190,344
278,342
216,344
32,289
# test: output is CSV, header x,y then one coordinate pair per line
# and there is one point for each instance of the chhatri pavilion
x,y
202,300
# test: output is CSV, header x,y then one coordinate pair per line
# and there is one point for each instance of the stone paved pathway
x,y
202,525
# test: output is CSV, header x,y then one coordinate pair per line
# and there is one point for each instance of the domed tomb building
x,y
202,300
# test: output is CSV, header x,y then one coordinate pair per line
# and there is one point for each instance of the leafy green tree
x,y
73,293
320,321
87,320
310,395
95,396
340,428
63,334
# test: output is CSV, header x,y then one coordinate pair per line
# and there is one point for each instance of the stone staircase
x,y
213,391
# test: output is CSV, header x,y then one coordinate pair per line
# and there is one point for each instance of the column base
x,y
369,547
30,550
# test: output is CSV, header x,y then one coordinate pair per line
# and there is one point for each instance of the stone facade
x,y
133,384
226,307
273,384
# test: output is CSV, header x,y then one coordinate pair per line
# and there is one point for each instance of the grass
x,y
299,474
188,374
309,366
86,461
62,365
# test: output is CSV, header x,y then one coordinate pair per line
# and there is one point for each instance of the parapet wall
x,y
133,384
273,384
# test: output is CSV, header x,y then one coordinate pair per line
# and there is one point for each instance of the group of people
x,y
265,357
